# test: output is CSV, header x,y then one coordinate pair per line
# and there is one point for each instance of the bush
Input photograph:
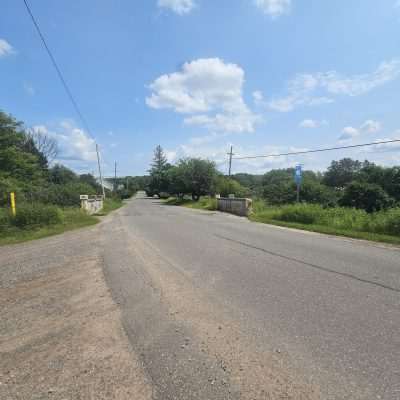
x,y
301,213
66,195
37,215
226,186
366,196
387,222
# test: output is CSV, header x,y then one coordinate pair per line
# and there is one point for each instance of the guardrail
x,y
91,204
235,206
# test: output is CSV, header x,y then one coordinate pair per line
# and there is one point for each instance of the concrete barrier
x,y
240,207
91,204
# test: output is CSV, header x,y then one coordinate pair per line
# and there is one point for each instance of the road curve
x,y
222,308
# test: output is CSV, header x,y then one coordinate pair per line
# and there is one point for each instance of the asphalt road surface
x,y
218,307
160,302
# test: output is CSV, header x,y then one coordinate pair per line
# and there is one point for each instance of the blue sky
x,y
197,76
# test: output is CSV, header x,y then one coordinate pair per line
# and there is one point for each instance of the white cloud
x,y
180,7
321,88
371,126
209,90
349,133
274,8
312,124
74,143
5,48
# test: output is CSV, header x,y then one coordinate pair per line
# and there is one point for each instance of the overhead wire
x,y
318,150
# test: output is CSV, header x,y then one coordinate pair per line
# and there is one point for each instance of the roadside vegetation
x,y
47,193
352,198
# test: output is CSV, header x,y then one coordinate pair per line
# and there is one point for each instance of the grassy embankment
x,y
64,220
382,226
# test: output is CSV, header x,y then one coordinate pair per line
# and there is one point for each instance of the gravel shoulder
x,y
61,335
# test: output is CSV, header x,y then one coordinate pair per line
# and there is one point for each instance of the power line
x,y
66,87
59,73
318,150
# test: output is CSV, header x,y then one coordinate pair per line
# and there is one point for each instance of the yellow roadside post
x,y
12,198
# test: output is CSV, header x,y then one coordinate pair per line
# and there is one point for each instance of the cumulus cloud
x,y
179,7
210,91
5,48
274,8
215,148
312,124
371,126
74,143
349,133
321,88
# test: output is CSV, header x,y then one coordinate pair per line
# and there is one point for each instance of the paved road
x,y
222,308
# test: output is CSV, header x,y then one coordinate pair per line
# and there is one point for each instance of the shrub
x,y
301,213
387,222
67,195
4,219
37,215
366,196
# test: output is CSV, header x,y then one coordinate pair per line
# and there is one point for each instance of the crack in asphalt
x,y
315,266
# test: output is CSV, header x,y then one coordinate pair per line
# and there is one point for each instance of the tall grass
x,y
382,222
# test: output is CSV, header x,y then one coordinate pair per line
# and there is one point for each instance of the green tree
x,y
158,173
366,196
226,186
341,173
197,176
61,175
19,158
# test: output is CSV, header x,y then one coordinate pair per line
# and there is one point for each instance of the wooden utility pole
x,y
100,175
230,154
115,176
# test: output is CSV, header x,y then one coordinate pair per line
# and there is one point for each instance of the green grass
x,y
109,205
73,218
379,227
375,237
383,226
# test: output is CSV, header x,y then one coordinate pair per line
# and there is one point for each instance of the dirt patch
x,y
60,332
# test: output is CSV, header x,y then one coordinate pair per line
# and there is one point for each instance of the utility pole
x,y
230,154
115,176
100,175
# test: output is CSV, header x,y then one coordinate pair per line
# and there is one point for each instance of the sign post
x,y
12,200
298,175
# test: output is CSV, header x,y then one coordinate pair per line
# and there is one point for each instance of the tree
x,y
197,176
341,173
366,196
159,173
19,158
45,144
61,175
226,186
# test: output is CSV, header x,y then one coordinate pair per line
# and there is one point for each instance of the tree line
x,y
190,176
346,183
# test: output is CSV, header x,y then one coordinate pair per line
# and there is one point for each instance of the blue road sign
x,y
298,174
